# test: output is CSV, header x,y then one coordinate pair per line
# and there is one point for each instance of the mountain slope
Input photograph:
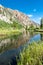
x,y
24,19
10,16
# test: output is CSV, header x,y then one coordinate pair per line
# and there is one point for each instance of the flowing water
x,y
10,47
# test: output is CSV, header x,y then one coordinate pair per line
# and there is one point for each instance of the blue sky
x,y
33,8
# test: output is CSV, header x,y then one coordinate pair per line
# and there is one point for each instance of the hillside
x,y
4,25
24,19
10,16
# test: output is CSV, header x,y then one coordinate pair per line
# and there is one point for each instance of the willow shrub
x,y
32,55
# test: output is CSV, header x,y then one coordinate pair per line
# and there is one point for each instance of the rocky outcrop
x,y
9,15
24,19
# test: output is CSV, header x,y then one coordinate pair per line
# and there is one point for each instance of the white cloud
x,y
34,10
39,18
30,15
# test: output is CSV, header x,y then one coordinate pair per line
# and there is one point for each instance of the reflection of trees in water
x,y
41,35
22,39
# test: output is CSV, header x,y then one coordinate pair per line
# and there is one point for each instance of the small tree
x,y
31,27
26,27
41,26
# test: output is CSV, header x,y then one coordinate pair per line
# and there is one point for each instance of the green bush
x,y
4,25
17,25
32,55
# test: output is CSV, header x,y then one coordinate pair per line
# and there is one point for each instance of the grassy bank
x,y
32,55
8,32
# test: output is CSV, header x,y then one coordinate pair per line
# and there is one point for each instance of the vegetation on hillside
x,y
17,25
9,29
5,25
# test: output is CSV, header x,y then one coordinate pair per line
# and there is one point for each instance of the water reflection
x,y
13,45
41,35
15,41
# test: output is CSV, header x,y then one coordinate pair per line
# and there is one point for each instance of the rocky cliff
x,y
9,15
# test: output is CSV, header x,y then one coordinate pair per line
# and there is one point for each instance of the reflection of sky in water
x,y
35,38
8,55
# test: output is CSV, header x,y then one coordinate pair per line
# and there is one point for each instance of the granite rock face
x,y
8,15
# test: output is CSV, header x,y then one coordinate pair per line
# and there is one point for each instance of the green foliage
x,y
32,55
41,26
4,25
17,25
31,27
26,27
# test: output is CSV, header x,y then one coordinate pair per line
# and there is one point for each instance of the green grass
x,y
9,29
17,25
4,25
8,33
32,55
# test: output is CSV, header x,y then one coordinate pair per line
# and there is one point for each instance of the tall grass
x,y
32,55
